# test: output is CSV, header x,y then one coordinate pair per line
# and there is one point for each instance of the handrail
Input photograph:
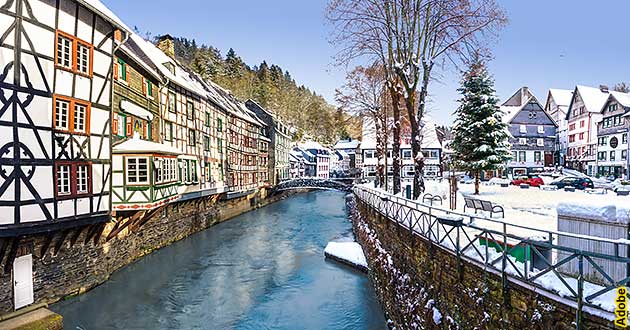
x,y
484,218
464,239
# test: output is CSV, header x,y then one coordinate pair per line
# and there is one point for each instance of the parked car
x,y
571,181
620,185
532,180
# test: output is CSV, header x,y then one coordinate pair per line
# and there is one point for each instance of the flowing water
x,y
262,270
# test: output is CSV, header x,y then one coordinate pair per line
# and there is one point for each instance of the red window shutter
x,y
129,126
144,86
144,129
115,124
115,70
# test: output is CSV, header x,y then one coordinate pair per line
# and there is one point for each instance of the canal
x,y
262,270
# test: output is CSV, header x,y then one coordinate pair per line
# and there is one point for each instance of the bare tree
x,y
409,37
363,95
622,87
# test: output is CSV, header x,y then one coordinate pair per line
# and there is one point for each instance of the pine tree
x,y
480,137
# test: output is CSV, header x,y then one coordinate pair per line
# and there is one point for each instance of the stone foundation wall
x,y
74,270
422,285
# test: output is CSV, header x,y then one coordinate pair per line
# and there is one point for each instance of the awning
x,y
136,110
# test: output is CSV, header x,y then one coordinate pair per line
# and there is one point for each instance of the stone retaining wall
x,y
76,269
422,285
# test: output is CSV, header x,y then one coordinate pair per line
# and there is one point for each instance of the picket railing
x,y
518,253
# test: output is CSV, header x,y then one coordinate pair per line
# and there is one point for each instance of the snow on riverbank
x,y
347,252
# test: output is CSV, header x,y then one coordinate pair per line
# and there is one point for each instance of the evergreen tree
x,y
480,137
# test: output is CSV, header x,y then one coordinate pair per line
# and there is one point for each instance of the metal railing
x,y
495,245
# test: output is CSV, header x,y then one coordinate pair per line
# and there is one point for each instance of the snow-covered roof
x,y
347,144
620,97
311,145
512,106
135,52
181,76
342,153
562,97
593,98
98,7
137,145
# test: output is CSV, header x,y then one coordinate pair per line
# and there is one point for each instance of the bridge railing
x,y
583,278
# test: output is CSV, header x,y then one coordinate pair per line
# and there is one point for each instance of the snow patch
x,y
348,251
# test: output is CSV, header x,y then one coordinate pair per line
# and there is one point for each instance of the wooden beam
x,y
147,216
99,233
60,240
8,265
76,235
90,233
133,218
46,245
118,222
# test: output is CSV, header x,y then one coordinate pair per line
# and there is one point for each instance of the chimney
x,y
167,45
524,92
603,88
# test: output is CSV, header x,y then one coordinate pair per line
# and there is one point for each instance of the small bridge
x,y
316,183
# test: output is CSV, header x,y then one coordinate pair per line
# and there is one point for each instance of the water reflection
x,y
262,270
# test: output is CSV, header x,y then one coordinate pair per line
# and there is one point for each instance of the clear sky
x,y
547,44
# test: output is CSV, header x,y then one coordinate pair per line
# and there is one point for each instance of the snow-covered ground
x,y
350,252
532,207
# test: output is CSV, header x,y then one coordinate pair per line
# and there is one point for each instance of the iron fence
x,y
529,256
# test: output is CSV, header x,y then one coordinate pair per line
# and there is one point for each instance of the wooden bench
x,y
431,198
481,205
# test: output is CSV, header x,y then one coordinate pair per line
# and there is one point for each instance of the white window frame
x,y
63,180
83,58
83,179
64,52
523,129
522,141
541,129
80,120
540,142
62,115
135,173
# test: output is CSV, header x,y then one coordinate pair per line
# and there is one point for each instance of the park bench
x,y
481,205
431,198
599,191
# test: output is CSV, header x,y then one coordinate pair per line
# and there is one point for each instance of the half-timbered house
x,y
145,172
55,84
532,134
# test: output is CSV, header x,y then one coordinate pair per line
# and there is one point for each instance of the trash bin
x,y
408,191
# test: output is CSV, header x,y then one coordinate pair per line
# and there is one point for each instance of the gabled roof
x,y
622,98
98,7
135,52
513,105
522,96
593,98
562,97
347,144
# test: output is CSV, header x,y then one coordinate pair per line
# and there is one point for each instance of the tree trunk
x,y
395,142
476,182
380,152
416,151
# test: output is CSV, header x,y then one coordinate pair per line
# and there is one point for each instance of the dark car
x,y
532,180
577,183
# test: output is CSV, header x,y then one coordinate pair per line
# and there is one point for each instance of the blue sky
x,y
547,44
